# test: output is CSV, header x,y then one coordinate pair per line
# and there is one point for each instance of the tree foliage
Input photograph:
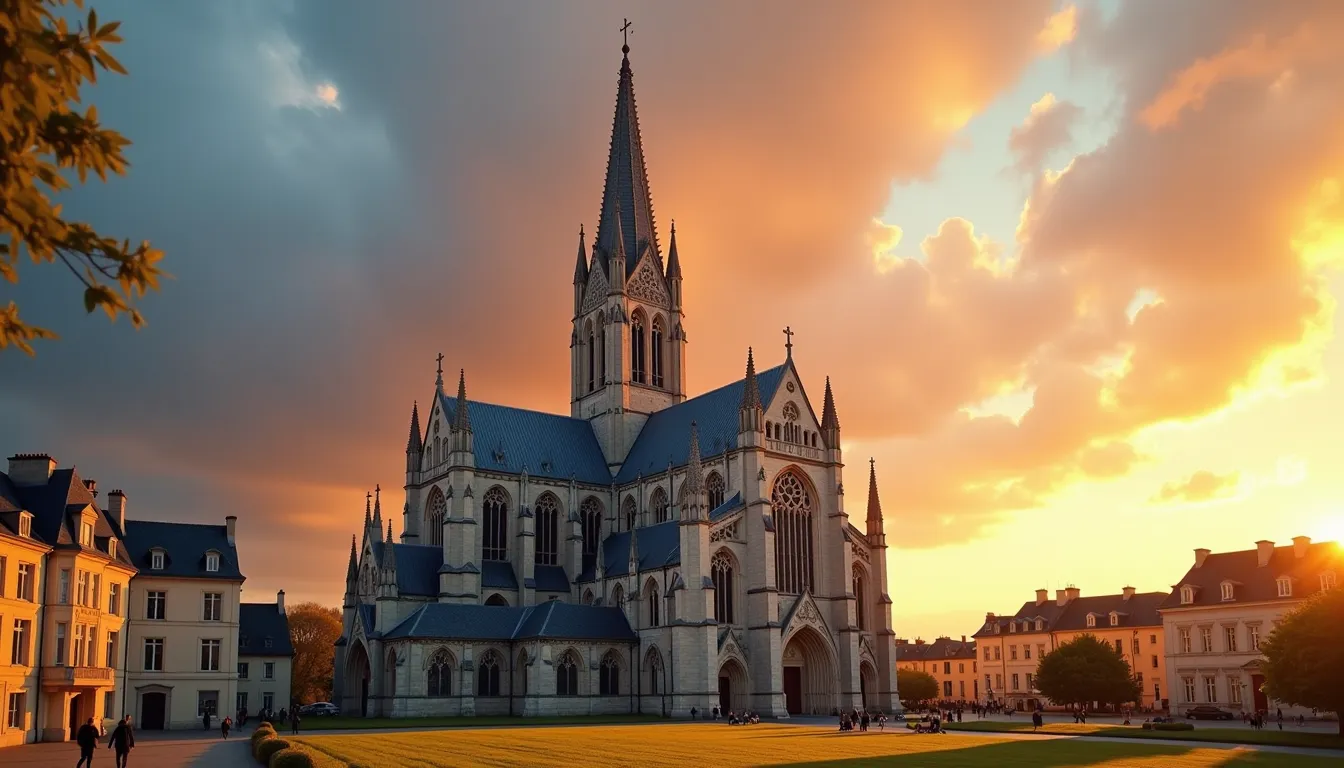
x,y
314,630
44,137
1304,659
916,687
1084,670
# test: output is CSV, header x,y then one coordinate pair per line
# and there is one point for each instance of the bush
x,y
258,736
293,757
269,747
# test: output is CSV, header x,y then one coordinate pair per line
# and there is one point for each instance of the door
x,y
725,694
153,707
75,703
793,690
1261,700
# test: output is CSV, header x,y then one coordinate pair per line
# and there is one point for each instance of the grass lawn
x,y
1267,737
725,746
364,723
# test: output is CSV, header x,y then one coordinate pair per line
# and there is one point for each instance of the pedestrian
x,y
87,737
205,719
122,741
294,721
224,726
1036,720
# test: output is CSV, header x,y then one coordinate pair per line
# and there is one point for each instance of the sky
x,y
1071,267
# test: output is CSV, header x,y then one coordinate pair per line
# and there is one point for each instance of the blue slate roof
x,y
508,439
666,436
184,546
551,578
417,567
366,615
659,545
258,623
727,508
498,575
53,506
552,619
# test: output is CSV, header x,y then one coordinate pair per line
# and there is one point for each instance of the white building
x,y
265,658
1220,610
649,552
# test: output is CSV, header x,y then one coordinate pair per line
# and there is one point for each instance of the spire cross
x,y
872,463
440,361
625,33
788,341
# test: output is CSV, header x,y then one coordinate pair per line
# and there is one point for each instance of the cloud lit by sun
x,y
328,95
1059,29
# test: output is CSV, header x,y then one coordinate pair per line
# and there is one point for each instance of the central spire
x,y
625,195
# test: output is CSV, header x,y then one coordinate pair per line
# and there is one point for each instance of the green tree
x,y
1304,660
1084,670
44,137
916,687
314,630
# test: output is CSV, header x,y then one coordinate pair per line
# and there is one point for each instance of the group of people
x,y
266,716
850,720
121,742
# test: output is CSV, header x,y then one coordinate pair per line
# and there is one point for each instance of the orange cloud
x,y
1059,29
1200,486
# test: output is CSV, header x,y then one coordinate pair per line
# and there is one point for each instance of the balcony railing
x,y
78,675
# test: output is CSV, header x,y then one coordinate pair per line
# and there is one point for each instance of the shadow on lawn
x,y
1064,753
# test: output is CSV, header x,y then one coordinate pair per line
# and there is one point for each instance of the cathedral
x,y
648,553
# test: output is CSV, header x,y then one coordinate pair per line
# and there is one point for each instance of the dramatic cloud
x,y
1200,486
1047,128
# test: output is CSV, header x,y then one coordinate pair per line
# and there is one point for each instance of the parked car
x,y
320,709
1207,712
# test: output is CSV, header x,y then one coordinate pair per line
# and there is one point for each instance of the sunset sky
x,y
1072,268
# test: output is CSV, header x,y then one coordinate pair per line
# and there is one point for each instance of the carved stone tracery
x,y
647,284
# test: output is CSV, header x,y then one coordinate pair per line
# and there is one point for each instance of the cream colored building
x,y
265,658
954,664
182,657
1224,606
64,572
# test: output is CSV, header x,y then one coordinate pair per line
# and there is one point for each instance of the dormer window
x,y
996,629
1115,619
268,642
242,641
112,547
26,525
1091,620
1327,580
1187,595
1039,624
1229,591
1285,585
211,562
1012,627
86,534
156,560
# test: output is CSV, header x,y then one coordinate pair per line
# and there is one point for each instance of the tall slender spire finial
x,y
673,261
751,389
414,442
874,503
438,382
368,508
788,342
625,36
695,475
829,420
581,262
462,420
378,504
625,192
352,570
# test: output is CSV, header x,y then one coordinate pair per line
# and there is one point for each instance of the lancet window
x,y
495,515
547,511
792,505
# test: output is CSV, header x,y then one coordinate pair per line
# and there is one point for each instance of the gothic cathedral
x,y
647,553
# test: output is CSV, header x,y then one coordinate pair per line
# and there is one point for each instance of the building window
x,y
109,704
25,525
947,689
1119,647
1040,650
156,560
1188,684
1234,690
207,702
1285,585
64,594
96,591
1206,639
25,585
986,653
17,716
91,646
567,675
209,655
651,599
1154,661
211,562
1210,689
268,670
1039,625
547,510
1012,627
628,512
1091,620
656,347
637,347
156,605
440,674
792,505
590,517
947,667
266,643
658,506
1187,595
211,609
1152,639
1115,620
1185,640
1254,631
1229,590
961,667
241,701
243,669
1012,653
1015,682
1026,651
59,658
487,675
86,535
859,584
436,511
1031,682
153,654
1328,580
83,589
714,489
721,569
495,545
998,681
114,599
997,653
1230,635
111,649
268,701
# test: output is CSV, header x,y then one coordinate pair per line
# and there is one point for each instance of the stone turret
x,y
580,274
750,414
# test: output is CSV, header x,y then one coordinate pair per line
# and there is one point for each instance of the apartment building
x,y
265,657
953,663
1217,614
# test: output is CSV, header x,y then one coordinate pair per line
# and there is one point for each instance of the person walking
x,y
224,726
294,721
122,741
205,719
87,738
1036,720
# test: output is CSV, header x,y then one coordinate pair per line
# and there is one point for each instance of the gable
x,y
788,407
596,291
646,282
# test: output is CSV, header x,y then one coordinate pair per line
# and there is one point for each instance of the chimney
x,y
280,601
31,468
1264,550
919,641
1201,555
963,638
989,617
1129,592
1060,599
92,486
1042,595
1300,545
1071,593
231,529
116,508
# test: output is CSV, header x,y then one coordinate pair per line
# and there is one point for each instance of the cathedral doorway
x,y
868,684
358,674
809,674
732,687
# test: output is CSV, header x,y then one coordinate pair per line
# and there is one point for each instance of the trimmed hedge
x,y
293,757
269,747
258,738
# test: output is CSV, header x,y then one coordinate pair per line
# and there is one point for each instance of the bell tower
x,y
628,345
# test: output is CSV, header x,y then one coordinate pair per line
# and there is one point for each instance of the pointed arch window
x,y
601,350
714,488
487,674
860,599
628,512
652,607
436,510
656,351
618,597
548,529
792,505
592,356
637,348
590,516
567,675
440,674
721,569
495,514
658,505
609,675
653,662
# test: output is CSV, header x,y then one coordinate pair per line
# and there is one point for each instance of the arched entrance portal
x,y
809,674
732,687
357,675
868,685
